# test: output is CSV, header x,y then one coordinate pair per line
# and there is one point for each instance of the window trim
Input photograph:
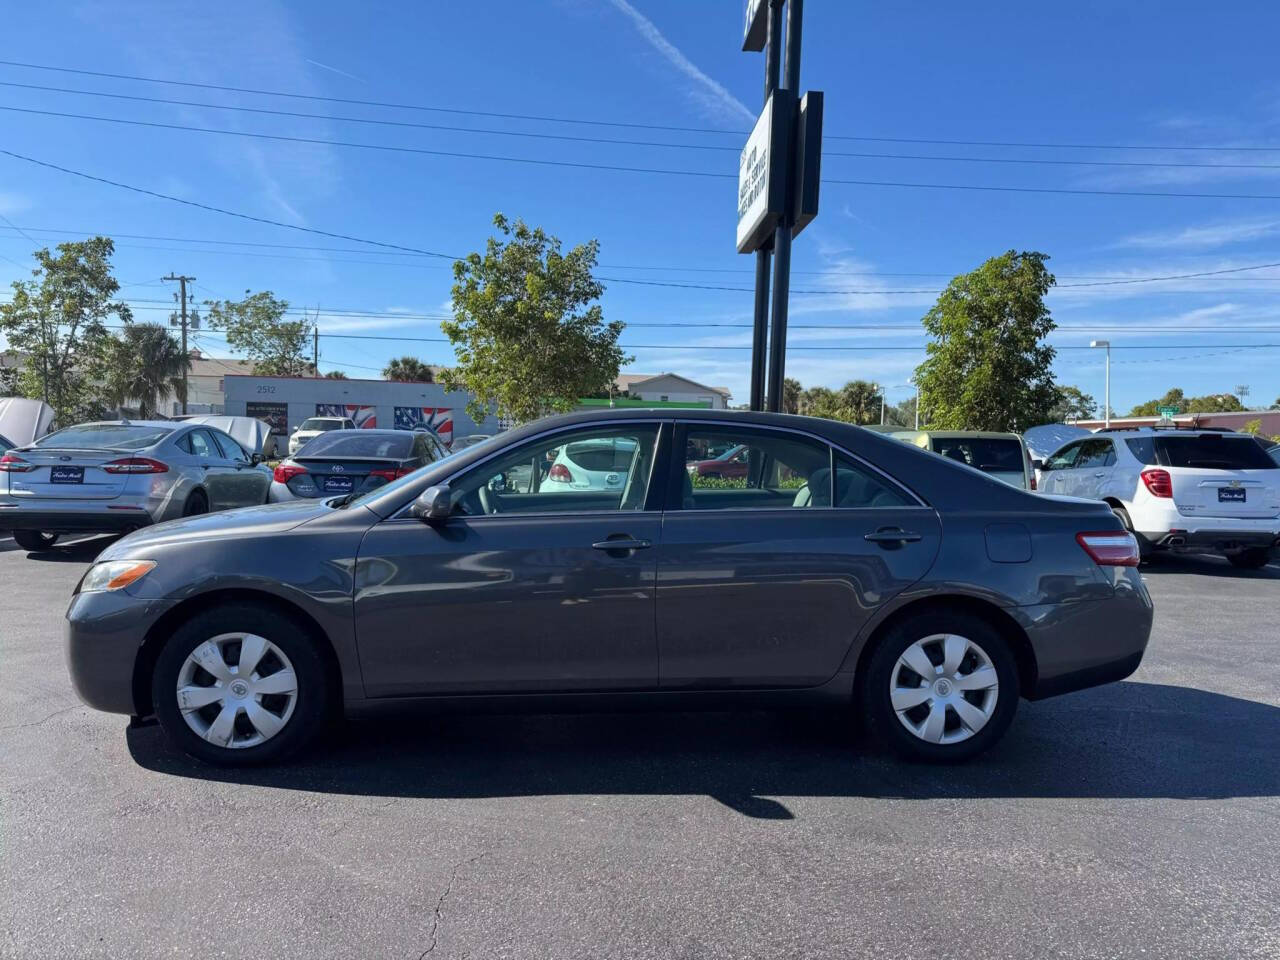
x,y
681,431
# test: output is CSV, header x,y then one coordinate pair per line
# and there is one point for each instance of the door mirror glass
x,y
433,504
1037,464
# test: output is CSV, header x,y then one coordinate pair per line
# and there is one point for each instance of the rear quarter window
x,y
1212,451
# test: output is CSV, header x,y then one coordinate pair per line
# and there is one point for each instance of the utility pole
x,y
182,300
917,406
1106,397
315,351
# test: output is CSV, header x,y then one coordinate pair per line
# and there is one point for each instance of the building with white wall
x,y
672,388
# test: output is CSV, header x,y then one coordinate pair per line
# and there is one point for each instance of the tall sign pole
x,y
760,331
778,179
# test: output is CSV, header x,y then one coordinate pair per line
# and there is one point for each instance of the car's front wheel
x,y
240,684
1255,558
34,540
941,686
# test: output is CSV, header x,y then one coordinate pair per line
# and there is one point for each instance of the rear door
x,y
217,472
1055,475
1219,475
248,485
762,581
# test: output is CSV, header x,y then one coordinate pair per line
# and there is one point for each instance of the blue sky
x,y
1143,73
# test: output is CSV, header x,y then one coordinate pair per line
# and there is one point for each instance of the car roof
x,y
167,424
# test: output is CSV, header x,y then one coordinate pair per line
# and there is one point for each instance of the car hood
x,y
265,520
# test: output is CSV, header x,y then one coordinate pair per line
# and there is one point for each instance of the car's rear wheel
x,y
196,504
239,685
941,686
1144,545
34,540
1255,558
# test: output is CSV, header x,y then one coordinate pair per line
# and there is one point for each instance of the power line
x,y
620,168
613,141
616,123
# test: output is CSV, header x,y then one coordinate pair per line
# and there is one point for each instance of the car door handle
x,y
893,535
1100,475
621,543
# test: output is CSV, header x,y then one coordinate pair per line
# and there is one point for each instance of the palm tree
x,y
146,364
408,370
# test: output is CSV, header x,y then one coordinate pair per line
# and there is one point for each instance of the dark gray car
x,y
843,567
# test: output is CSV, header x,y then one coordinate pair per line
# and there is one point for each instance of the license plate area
x,y
1232,494
337,485
61,474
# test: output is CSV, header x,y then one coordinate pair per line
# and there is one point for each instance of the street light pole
x,y
1106,398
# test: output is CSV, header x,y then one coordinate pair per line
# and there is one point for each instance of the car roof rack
x,y
1168,426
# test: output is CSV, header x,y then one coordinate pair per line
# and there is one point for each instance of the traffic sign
x,y
1168,412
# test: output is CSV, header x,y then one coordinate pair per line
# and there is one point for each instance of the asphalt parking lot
x,y
1140,819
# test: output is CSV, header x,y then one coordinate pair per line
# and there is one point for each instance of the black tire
x,y
310,710
196,504
883,720
1145,549
1255,558
34,540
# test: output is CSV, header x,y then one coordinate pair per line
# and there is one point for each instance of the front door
x,y
541,581
766,579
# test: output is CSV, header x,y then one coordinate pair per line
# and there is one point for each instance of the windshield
x,y
486,445
1214,451
106,436
316,423
357,443
989,454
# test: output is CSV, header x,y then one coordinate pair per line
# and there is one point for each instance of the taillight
x,y
560,473
1110,548
1033,481
135,465
1159,483
11,464
284,472
390,474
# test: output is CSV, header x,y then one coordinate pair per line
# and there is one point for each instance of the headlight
x,y
115,574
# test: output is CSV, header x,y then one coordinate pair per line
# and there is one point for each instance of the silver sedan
x,y
120,475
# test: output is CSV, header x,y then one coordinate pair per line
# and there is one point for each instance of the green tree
x,y
257,327
144,364
820,402
861,400
1073,404
336,375
408,370
1253,427
791,391
57,320
1210,403
988,367
902,414
1171,398
528,335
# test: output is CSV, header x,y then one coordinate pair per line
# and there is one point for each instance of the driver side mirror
x,y
434,504
1037,464
256,458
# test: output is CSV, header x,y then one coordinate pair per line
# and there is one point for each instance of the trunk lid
x,y
338,476
1205,492
67,474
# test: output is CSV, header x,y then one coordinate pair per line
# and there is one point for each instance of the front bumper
x,y
1088,642
104,633
73,519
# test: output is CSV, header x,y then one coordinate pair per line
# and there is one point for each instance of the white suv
x,y
1197,491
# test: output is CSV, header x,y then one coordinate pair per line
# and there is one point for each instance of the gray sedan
x,y
844,568
120,475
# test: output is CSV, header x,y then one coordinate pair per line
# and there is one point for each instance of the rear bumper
x,y
73,521
1220,541
1088,642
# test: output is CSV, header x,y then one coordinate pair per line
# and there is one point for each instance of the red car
x,y
731,463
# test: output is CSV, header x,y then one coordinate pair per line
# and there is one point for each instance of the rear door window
x,y
988,454
1095,454
201,445
728,469
1213,451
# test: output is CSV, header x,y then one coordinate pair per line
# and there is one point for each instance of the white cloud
x,y
1206,236
706,91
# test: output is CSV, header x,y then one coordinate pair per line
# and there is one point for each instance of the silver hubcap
x,y
237,690
944,688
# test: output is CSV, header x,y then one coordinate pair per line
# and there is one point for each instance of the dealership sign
x,y
755,31
762,171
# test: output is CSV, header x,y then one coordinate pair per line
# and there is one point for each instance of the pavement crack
x,y
439,913
36,723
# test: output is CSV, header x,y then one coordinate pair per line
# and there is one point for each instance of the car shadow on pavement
x,y
1206,565
75,551
1124,740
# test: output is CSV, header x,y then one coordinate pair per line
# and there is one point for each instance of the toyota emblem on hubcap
x,y
239,688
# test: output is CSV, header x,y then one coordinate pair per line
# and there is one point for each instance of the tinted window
x,y
359,443
315,423
545,475
1096,453
1214,451
230,449
989,454
1065,458
766,471
105,436
856,486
